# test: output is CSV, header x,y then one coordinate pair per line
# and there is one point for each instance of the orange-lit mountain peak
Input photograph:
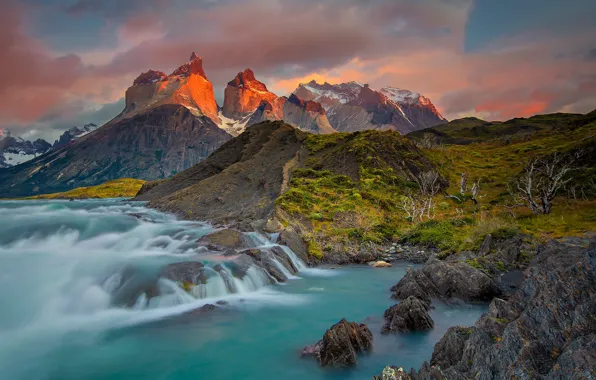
x,y
244,94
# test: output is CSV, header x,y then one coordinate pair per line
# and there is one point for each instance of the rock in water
x,y
392,373
380,264
224,239
341,344
409,315
546,330
447,280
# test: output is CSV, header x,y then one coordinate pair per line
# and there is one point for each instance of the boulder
x,y
446,280
224,239
545,330
380,264
183,272
460,280
408,315
290,238
341,344
415,283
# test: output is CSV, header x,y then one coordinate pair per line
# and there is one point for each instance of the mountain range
x,y
16,150
171,122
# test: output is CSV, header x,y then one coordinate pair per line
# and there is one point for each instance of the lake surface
x,y
58,319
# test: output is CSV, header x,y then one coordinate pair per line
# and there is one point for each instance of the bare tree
x,y
475,191
429,141
463,183
542,178
419,205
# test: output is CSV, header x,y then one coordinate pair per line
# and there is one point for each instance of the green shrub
x,y
433,234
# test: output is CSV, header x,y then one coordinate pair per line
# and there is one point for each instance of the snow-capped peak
x,y
344,92
403,96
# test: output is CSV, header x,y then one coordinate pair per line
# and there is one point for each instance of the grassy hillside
x,y
350,190
118,188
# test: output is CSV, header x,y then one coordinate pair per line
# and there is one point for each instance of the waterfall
x,y
215,276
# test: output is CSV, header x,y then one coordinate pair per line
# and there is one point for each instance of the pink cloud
x,y
413,45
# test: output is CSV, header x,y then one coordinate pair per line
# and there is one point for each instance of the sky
x,y
69,62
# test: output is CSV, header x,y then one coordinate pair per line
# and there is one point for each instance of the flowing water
x,y
63,315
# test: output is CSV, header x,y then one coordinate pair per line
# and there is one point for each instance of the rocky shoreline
x,y
540,323
544,330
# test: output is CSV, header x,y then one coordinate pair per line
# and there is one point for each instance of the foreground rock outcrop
x,y
341,344
545,330
408,315
446,280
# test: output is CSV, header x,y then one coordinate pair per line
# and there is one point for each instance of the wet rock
x,y
446,280
270,260
290,238
183,272
460,280
449,350
392,373
341,344
545,330
224,239
240,265
409,315
127,286
379,264
415,283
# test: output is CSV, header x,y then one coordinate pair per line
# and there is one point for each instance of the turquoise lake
x,y
58,322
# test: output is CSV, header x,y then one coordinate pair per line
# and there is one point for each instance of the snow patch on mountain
x,y
403,96
233,126
344,92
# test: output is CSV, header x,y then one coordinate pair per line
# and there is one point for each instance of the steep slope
x,y
155,144
236,185
354,107
417,108
15,150
278,173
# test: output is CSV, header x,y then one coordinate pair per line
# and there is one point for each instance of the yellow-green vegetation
x,y
118,188
499,160
351,186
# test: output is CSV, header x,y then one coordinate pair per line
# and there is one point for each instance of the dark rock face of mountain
x,y
156,144
15,150
249,170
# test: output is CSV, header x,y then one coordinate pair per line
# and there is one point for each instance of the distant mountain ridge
x,y
355,107
172,122
16,150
